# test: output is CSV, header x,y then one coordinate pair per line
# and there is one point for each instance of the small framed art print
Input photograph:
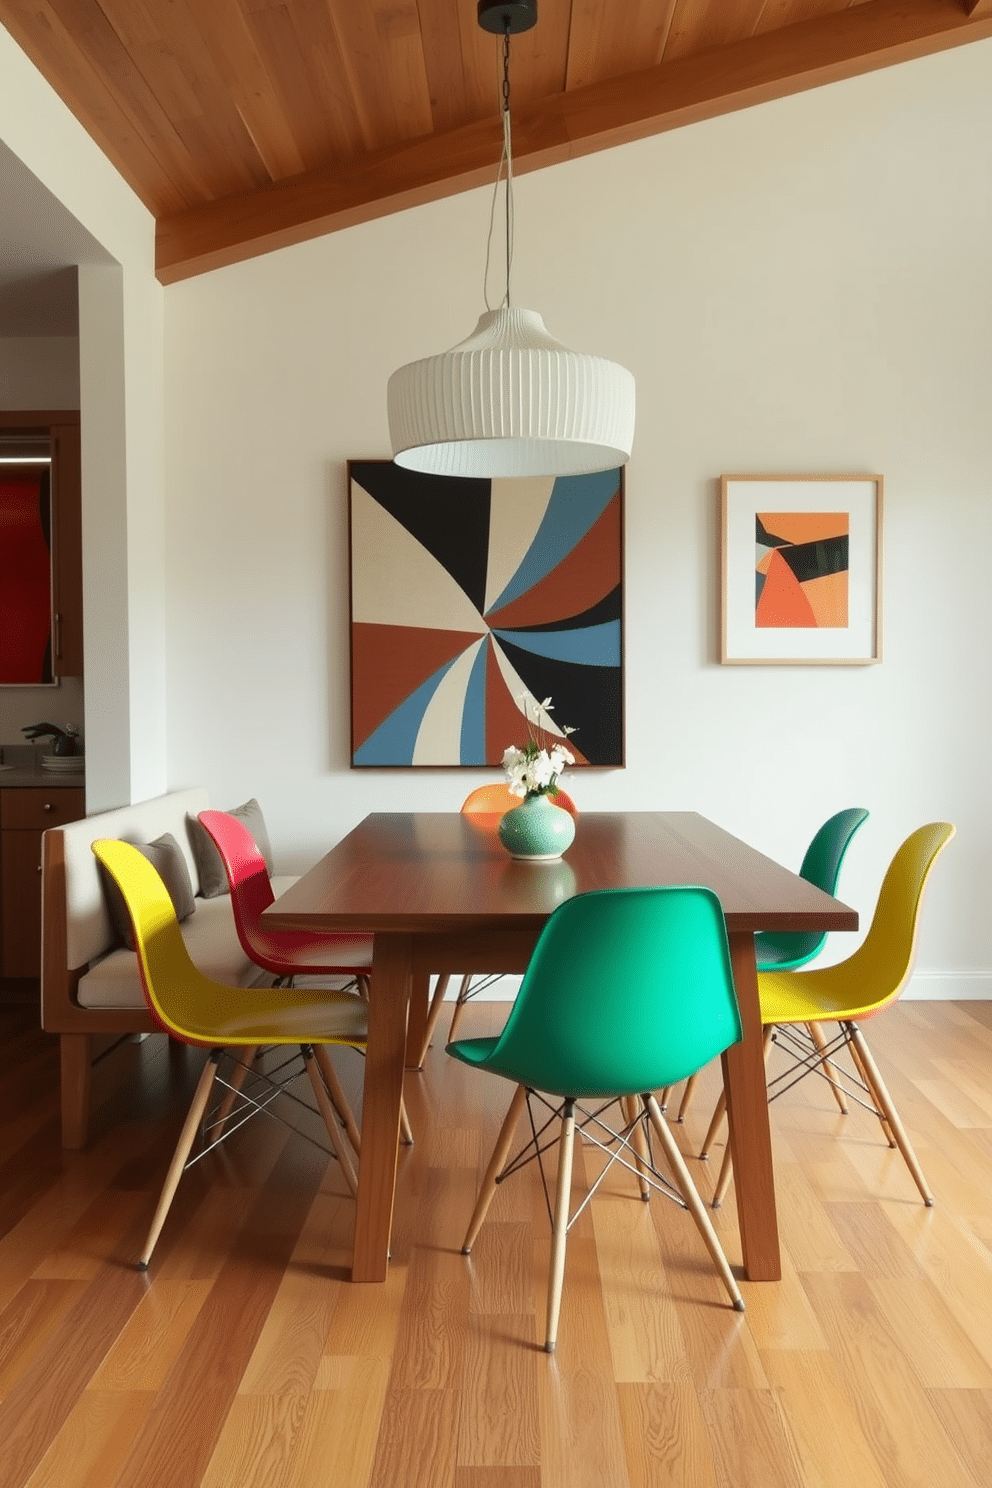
x,y
801,570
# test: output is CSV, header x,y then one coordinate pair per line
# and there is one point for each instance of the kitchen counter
x,y
21,769
20,777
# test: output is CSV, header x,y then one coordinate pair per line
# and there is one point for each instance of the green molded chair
x,y
786,950
627,990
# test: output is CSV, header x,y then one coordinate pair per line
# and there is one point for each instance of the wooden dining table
x,y
440,893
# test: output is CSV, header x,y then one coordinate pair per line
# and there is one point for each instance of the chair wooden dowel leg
x,y
885,1105
460,1002
186,1139
697,1209
340,1100
687,1094
716,1120
723,1178
242,1068
434,1012
819,1044
496,1162
638,1140
720,1110
330,1119
406,1130
559,1239
866,1078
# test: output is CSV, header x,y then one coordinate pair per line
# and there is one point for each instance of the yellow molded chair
x,y
788,950
485,805
197,1010
848,993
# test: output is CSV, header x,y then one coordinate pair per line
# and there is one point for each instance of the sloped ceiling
x,y
245,125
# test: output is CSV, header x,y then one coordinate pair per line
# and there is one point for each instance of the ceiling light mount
x,y
510,400
507,17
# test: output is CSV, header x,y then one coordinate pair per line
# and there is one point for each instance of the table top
x,y
442,872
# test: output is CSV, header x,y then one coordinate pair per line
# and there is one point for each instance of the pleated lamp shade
x,y
511,401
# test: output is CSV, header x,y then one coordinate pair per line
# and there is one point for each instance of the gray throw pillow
x,y
166,857
209,863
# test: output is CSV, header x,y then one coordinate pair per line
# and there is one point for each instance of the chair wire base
x,y
617,1143
245,1104
814,1054
642,1117
241,1103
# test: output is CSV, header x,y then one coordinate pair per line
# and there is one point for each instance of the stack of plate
x,y
68,764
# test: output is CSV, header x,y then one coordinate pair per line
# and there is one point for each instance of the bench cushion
x,y
212,941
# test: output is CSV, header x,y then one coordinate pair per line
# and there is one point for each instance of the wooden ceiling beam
x,y
772,65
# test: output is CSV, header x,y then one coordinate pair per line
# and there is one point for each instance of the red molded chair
x,y
485,805
286,953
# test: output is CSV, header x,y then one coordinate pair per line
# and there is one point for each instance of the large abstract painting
x,y
25,575
471,598
801,569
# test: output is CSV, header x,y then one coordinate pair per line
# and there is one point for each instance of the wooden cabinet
x,y
24,815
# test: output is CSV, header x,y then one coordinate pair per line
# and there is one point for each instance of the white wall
x,y
120,403
803,287
39,372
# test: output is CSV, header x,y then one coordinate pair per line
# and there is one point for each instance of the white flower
x,y
534,770
542,771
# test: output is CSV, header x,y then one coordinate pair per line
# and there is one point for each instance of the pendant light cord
x,y
506,161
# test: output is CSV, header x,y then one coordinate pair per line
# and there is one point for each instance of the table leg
x,y
384,1061
750,1134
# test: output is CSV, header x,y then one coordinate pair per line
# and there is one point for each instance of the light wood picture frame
x,y
801,574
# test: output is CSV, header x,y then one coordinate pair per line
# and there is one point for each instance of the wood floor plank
x,y
665,1436
147,1346
40,1402
199,1390
967,1419
646,1341
929,1334
93,1442
809,1236
958,1265
418,1426
876,1246
829,1443
498,1424
909,1442
28,1322
752,1444
497,1477
259,1442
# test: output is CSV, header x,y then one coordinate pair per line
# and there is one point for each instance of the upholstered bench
x,y
91,993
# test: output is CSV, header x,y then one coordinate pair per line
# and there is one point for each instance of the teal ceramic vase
x,y
537,830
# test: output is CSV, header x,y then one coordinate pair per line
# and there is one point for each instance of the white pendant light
x,y
510,400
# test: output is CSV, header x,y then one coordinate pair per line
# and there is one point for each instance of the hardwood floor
x,y
244,1357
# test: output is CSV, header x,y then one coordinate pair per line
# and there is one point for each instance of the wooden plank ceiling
x,y
245,125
